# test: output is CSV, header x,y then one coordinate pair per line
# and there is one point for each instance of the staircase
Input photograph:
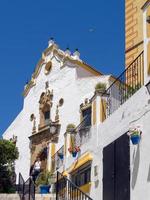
x,y
66,190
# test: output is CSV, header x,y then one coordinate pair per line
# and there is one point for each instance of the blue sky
x,y
95,27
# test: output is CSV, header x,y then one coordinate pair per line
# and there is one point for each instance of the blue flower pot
x,y
61,156
135,139
74,154
44,189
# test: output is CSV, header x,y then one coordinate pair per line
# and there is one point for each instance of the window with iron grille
x,y
82,175
86,114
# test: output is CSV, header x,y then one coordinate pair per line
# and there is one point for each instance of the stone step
x,y
37,197
45,197
9,197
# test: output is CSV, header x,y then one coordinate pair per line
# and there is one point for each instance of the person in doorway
x,y
36,169
31,172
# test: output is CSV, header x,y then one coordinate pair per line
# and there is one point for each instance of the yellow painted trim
x,y
65,173
102,110
86,188
94,112
83,65
148,26
148,58
55,49
84,107
53,149
72,141
89,68
65,145
81,161
34,76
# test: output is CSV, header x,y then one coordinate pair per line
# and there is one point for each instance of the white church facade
x,y
86,133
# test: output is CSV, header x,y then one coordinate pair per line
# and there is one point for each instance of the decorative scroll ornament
x,y
57,113
14,139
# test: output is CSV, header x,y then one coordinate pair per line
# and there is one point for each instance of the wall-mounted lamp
x,y
148,19
53,129
148,87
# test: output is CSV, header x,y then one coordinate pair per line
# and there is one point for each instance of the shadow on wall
x,y
148,178
136,161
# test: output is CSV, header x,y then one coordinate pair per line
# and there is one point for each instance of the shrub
x,y
100,86
70,127
44,178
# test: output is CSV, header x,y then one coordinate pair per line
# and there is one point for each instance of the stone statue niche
x,y
44,108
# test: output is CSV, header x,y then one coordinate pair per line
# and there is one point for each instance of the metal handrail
x,y
26,189
118,78
55,158
127,83
70,188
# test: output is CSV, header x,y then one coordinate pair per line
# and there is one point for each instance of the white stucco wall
x,y
74,84
70,82
134,112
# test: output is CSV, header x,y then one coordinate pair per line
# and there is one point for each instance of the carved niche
x,y
45,105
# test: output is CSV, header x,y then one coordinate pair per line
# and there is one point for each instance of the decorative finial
x,y
68,52
76,54
51,42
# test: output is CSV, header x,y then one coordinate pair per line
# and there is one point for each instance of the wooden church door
x,y
116,170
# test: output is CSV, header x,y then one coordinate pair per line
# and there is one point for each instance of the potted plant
x,y
43,181
135,136
100,87
61,156
70,128
74,150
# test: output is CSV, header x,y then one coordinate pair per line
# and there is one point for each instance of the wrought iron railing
x,y
21,186
57,159
66,190
83,132
26,189
128,83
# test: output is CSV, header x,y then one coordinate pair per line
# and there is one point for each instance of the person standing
x,y
36,169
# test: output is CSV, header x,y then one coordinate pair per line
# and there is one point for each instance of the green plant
x,y
135,133
8,154
100,86
70,126
129,91
44,178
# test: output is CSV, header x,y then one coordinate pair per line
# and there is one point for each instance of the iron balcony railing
x,y
128,83
83,132
66,190
57,159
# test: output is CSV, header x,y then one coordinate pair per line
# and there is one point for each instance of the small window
x,y
47,117
82,176
86,114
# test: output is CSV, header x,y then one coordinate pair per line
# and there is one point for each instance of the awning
x,y
81,161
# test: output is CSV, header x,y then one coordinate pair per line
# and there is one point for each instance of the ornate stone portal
x,y
48,131
45,107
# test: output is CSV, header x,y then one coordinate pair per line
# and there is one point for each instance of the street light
x,y
53,129
148,87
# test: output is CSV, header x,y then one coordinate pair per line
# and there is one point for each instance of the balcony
x,y
57,160
126,85
83,132
50,131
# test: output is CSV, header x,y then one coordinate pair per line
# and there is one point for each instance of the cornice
x,y
64,57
